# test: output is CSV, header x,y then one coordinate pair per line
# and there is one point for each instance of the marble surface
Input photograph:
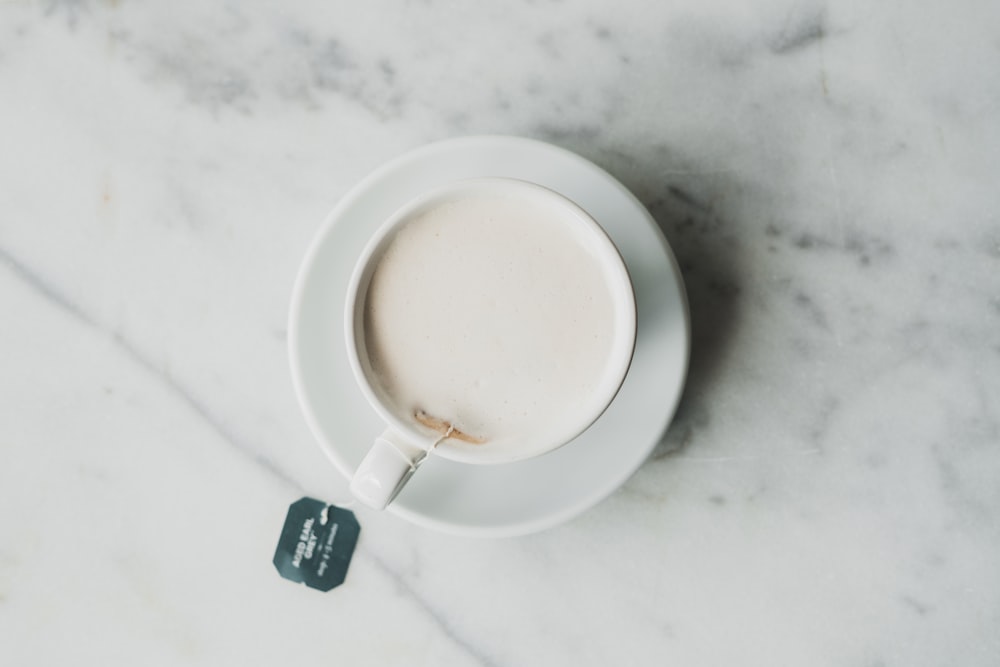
x,y
825,171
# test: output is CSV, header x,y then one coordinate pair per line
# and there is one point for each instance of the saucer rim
x,y
485,143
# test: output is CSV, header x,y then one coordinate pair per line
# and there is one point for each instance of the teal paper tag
x,y
316,544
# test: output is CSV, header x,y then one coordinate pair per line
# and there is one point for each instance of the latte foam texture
x,y
487,312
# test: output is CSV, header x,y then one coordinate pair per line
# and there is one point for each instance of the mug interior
x,y
557,431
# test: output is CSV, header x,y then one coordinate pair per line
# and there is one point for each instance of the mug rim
x,y
618,362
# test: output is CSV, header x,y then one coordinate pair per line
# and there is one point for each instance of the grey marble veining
x,y
824,171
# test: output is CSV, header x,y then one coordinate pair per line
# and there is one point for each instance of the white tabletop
x,y
828,493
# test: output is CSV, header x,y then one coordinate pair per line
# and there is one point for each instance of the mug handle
x,y
386,468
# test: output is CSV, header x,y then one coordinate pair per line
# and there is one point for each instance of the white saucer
x,y
515,498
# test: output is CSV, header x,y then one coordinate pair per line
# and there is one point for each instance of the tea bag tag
x,y
316,544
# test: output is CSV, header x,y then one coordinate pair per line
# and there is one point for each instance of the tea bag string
x,y
412,463
420,459
351,502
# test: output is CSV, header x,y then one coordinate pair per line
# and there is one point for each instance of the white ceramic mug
x,y
405,443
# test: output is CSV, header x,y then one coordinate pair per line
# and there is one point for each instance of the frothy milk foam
x,y
485,311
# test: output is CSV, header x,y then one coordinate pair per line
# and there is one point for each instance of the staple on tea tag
x,y
316,544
